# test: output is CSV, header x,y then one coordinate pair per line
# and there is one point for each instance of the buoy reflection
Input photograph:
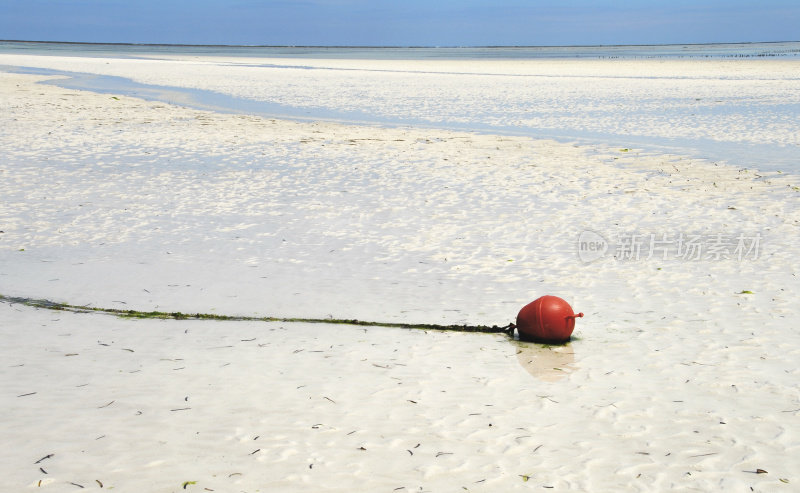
x,y
546,362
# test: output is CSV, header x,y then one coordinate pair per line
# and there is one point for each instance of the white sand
x,y
676,381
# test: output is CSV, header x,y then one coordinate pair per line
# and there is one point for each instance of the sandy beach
x,y
682,375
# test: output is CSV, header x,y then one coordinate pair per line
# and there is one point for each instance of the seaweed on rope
x,y
136,314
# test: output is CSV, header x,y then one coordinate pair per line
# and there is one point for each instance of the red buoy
x,y
548,319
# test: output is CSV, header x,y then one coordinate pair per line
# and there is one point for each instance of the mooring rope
x,y
53,305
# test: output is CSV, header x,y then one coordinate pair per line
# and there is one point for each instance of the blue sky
x,y
401,23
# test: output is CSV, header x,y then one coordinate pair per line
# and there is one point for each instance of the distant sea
x,y
722,50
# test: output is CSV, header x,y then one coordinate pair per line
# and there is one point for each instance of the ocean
x,y
719,50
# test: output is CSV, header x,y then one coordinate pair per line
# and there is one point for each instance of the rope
x,y
52,305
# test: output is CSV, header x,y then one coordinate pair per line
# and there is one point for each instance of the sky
x,y
401,23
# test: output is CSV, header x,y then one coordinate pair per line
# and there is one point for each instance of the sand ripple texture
x,y
683,374
112,199
151,405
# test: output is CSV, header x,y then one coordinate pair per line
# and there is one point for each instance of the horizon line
x,y
217,45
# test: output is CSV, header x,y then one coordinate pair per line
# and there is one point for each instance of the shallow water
x,y
743,119
767,156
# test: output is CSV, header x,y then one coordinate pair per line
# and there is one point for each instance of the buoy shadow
x,y
546,362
